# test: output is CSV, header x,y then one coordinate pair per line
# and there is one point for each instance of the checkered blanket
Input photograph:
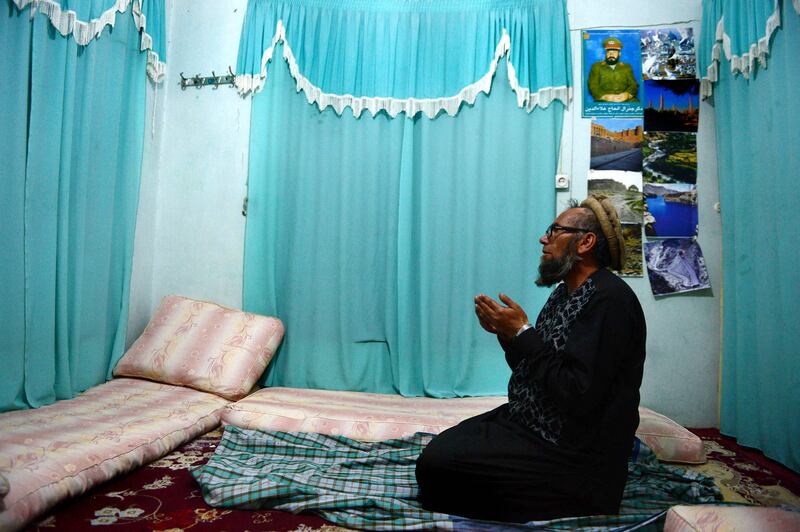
x,y
371,485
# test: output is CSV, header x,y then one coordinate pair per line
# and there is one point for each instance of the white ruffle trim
x,y
66,23
430,107
155,67
796,4
740,64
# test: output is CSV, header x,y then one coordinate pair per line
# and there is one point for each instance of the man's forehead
x,y
570,215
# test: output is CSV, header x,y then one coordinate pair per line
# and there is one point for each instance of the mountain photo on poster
x,y
668,53
623,189
675,265
632,236
616,144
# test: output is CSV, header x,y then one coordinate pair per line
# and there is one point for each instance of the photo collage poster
x,y
642,92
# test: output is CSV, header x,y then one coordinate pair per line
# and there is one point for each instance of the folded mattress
x,y
61,450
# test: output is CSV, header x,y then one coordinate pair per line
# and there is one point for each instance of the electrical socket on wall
x,y
562,181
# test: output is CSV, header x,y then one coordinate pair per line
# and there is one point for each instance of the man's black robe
x,y
560,446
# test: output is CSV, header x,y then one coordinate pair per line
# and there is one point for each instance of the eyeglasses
x,y
561,228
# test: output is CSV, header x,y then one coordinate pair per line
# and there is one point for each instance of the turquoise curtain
x,y
71,145
758,143
369,235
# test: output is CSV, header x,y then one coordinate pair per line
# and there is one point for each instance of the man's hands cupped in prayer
x,y
495,318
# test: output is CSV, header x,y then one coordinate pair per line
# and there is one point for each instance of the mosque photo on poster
x,y
671,105
675,265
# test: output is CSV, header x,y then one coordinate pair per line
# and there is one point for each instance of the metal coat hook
x,y
199,81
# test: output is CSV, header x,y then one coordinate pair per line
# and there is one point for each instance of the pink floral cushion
x,y
373,417
61,450
670,441
707,517
203,346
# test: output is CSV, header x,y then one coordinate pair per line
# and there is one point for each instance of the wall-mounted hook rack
x,y
199,81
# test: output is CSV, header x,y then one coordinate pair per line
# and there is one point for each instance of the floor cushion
x,y
204,346
707,517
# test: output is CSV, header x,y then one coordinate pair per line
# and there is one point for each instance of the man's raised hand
x,y
502,320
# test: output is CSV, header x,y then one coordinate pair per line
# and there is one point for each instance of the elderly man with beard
x,y
611,80
561,444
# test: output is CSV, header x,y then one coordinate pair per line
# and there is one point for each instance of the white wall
x,y
190,230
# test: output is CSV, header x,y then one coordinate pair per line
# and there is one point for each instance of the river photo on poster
x,y
671,210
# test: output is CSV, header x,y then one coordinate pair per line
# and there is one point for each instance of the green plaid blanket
x,y
371,485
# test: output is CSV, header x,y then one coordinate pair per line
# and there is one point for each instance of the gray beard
x,y
552,271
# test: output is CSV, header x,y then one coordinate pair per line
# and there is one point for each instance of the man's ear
x,y
586,243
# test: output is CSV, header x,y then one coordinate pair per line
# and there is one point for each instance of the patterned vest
x,y
528,403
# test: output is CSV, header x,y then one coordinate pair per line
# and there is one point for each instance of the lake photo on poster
x,y
672,218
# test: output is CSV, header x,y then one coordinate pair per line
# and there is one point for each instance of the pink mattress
x,y
711,518
61,450
374,417
358,415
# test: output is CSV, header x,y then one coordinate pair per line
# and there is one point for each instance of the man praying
x,y
560,446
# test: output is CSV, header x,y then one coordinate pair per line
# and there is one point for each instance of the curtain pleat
x,y
757,148
735,36
78,112
369,238
14,105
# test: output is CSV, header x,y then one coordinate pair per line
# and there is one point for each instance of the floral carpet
x,y
745,475
163,496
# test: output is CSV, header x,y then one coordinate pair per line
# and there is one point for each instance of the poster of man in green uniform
x,y
613,73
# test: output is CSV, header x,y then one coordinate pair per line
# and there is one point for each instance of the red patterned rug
x,y
163,496
745,474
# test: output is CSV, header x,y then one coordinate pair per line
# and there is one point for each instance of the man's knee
x,y
432,462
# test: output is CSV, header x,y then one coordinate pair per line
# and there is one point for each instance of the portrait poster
x,y
671,105
632,235
623,189
668,53
675,265
612,73
616,144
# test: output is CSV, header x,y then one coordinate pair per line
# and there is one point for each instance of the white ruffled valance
x,y
741,30
408,57
430,107
88,23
